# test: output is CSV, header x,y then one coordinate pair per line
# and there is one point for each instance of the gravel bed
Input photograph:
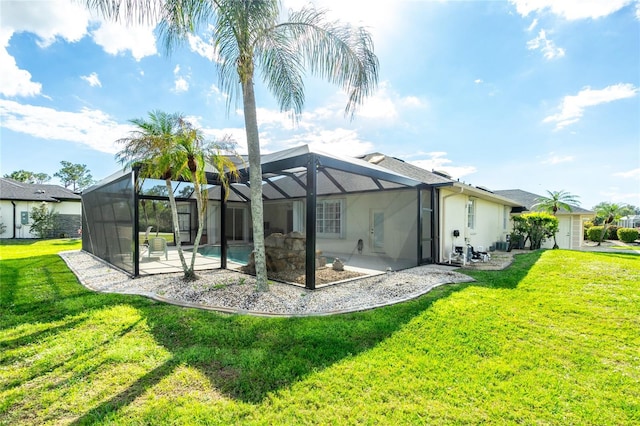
x,y
234,292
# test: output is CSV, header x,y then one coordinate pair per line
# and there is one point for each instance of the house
x,y
376,211
459,213
17,199
570,223
631,221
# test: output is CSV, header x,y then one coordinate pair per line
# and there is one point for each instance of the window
x,y
471,213
329,218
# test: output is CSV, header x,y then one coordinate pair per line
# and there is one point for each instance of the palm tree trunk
x,y
255,180
176,231
201,209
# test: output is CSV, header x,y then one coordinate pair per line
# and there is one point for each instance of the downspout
x,y
14,220
442,223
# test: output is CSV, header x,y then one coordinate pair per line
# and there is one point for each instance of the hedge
x,y
628,235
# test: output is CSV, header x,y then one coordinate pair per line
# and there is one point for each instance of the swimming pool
x,y
238,254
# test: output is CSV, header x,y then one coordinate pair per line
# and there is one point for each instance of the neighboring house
x,y
570,224
632,221
461,214
17,199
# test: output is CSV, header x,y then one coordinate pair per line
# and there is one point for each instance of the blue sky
x,y
535,95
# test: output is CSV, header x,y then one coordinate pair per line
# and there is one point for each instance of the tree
x,y
76,176
28,177
607,213
166,146
44,221
555,201
536,226
248,35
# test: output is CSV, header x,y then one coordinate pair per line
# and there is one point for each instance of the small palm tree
x,y
248,35
166,146
609,212
555,201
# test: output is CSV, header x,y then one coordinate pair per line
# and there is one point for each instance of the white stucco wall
x,y
489,224
570,233
400,211
23,231
400,223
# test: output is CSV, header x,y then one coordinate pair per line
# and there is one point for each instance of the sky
x,y
538,95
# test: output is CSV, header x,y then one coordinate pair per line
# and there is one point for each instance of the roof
x,y
407,169
435,178
529,199
13,190
284,175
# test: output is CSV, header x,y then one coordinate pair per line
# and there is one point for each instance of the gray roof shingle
x,y
406,169
528,199
13,190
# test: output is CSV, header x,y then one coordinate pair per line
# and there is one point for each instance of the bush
x,y
585,228
628,235
612,232
44,221
594,233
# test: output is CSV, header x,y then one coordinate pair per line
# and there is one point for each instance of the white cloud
x,y
116,38
554,159
14,81
631,174
378,20
571,9
342,141
181,85
438,161
92,128
533,25
478,81
572,107
203,48
92,79
546,46
48,21
384,104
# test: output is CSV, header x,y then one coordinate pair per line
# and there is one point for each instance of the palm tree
x,y
248,34
166,146
609,212
555,201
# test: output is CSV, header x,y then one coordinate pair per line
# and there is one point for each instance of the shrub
x,y
612,232
585,227
594,233
628,235
536,227
44,221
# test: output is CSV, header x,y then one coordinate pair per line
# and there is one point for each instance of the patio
x,y
368,265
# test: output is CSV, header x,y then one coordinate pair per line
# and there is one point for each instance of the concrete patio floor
x,y
369,265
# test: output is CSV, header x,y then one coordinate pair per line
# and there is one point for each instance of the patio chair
x,y
158,246
144,245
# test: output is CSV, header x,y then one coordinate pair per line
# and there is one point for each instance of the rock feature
x,y
338,265
285,253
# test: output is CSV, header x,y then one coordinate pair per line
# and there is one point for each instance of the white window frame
x,y
471,213
321,219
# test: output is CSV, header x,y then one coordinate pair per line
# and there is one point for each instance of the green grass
x,y
552,340
637,247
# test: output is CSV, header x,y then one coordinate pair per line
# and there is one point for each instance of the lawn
x,y
554,339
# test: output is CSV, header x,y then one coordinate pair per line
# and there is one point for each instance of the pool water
x,y
238,254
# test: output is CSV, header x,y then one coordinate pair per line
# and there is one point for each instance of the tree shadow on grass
x,y
246,357
508,278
